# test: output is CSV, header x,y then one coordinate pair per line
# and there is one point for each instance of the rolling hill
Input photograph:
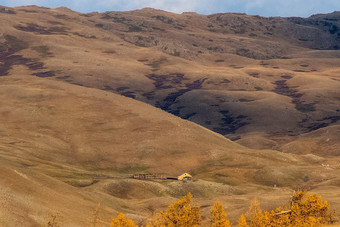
x,y
70,140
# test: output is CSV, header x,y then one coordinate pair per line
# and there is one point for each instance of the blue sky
x,y
302,8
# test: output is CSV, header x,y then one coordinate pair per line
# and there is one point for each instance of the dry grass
x,y
68,142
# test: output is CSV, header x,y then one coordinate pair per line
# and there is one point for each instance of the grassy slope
x,y
59,140
239,97
55,133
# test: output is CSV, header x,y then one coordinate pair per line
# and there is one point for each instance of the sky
x,y
284,8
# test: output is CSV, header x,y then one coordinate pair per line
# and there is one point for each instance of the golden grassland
x,y
70,141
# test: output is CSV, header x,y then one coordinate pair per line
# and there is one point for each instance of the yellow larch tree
x,y
219,216
254,213
182,213
309,210
242,222
303,211
122,221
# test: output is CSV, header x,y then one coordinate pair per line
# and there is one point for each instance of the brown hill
x,y
245,77
66,148
68,143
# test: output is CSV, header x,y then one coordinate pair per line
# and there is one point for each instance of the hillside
x,y
246,77
70,140
65,147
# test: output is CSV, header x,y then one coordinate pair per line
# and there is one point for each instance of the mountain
x,y
246,77
67,148
69,139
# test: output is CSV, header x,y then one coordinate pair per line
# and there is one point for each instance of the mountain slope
x,y
75,143
259,82
69,140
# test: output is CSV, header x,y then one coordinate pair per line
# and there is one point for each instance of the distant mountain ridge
x,y
316,32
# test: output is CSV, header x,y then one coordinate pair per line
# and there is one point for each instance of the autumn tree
x,y
122,221
242,222
181,213
254,213
156,221
259,218
302,211
219,216
309,210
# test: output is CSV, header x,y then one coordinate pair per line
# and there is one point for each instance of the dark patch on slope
x,y
171,81
43,50
166,81
30,27
230,124
8,58
129,94
321,123
172,97
44,74
84,36
178,81
130,27
283,89
164,19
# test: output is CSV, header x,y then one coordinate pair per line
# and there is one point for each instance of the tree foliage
x,y
242,222
302,211
122,221
182,213
219,216
309,210
254,213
